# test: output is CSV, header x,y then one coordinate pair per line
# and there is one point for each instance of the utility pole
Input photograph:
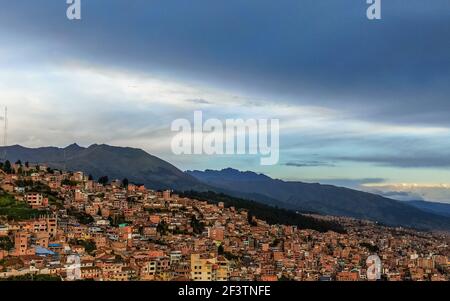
x,y
5,134
6,127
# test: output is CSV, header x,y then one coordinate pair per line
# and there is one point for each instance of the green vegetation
x,y
39,187
230,256
89,245
178,231
370,247
220,250
6,167
42,188
198,226
6,243
15,210
250,219
271,215
83,218
67,182
103,180
53,200
275,243
117,220
285,278
162,228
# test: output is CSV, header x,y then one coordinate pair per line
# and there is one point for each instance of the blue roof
x,y
43,251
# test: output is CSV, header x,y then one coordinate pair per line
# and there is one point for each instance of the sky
x,y
362,104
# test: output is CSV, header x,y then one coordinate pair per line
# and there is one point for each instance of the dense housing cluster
x,y
123,231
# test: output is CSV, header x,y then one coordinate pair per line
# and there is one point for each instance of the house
x,y
90,272
209,268
4,230
8,187
35,200
347,276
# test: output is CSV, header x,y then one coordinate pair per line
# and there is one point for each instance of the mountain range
x,y
140,167
105,160
324,199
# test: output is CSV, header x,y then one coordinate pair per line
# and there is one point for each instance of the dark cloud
x,y
399,195
351,183
309,164
199,101
403,161
321,52
394,193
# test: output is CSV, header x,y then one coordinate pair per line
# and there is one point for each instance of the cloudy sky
x,y
362,104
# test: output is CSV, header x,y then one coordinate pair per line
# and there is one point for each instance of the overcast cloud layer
x,y
358,101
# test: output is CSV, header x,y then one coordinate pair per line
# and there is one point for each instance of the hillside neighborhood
x,y
123,231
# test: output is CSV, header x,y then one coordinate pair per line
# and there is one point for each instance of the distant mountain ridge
x,y
325,199
432,207
140,167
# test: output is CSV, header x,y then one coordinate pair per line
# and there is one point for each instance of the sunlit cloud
x,y
412,191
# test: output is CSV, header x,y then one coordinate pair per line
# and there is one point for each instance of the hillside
x,y
324,199
115,162
270,214
432,207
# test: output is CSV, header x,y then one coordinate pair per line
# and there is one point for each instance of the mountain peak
x,y
229,170
230,174
74,146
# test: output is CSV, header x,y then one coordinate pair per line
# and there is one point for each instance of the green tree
x,y
197,226
7,167
103,180
6,243
89,245
251,220
220,250
162,228
67,182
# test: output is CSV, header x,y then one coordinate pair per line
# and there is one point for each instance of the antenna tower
x,y
5,134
